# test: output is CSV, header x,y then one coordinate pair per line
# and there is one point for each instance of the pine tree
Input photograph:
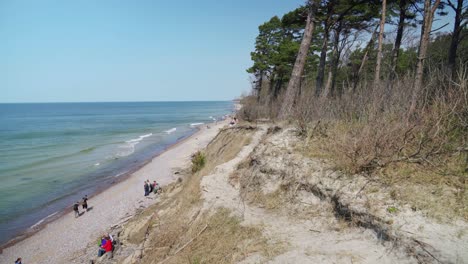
x,y
293,85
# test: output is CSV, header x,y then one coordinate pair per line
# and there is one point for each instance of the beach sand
x,y
59,240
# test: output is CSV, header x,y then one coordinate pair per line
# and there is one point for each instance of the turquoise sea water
x,y
53,154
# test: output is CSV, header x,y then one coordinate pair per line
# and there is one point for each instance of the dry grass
x,y
224,240
270,201
434,183
423,189
226,145
253,110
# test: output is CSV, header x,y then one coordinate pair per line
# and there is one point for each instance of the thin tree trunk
x,y
293,85
452,55
426,27
379,49
259,86
336,61
399,37
364,59
278,84
271,84
323,59
327,91
323,53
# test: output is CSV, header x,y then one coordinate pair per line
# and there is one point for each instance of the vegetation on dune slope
x,y
183,233
368,93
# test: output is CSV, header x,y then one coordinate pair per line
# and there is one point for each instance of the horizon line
x,y
78,102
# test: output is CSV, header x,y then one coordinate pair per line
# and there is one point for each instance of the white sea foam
x,y
171,130
126,149
38,223
196,124
42,220
97,164
120,174
129,146
140,138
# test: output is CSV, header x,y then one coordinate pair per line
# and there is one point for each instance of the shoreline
x,y
42,223
106,188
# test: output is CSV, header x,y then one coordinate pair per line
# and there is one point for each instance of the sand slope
x,y
303,245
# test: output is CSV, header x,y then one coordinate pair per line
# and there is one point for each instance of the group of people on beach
x,y
151,187
106,245
84,204
233,121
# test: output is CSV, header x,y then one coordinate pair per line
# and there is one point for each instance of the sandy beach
x,y
59,240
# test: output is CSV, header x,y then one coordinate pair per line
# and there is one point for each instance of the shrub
x,y
253,108
198,161
392,209
370,128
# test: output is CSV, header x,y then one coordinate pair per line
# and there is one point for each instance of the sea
x,y
52,154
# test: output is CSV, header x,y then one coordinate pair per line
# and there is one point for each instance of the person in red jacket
x,y
106,247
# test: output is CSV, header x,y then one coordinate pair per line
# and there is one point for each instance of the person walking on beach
x,y
146,188
76,209
150,186
85,203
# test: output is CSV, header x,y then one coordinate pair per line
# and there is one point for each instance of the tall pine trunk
x,y
259,85
336,60
399,36
322,62
323,53
452,55
426,27
292,89
379,49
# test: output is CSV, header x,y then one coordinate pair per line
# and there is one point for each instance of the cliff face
x,y
259,198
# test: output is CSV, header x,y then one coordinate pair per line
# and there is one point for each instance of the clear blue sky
x,y
79,51
116,50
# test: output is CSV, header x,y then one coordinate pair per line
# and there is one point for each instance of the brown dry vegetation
x,y
421,155
179,232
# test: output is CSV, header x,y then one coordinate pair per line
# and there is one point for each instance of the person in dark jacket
x,y
18,261
85,203
146,188
76,209
150,186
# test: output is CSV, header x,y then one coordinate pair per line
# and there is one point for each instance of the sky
x,y
95,51
116,50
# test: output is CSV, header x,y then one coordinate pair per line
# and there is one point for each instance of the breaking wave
x,y
171,130
129,146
